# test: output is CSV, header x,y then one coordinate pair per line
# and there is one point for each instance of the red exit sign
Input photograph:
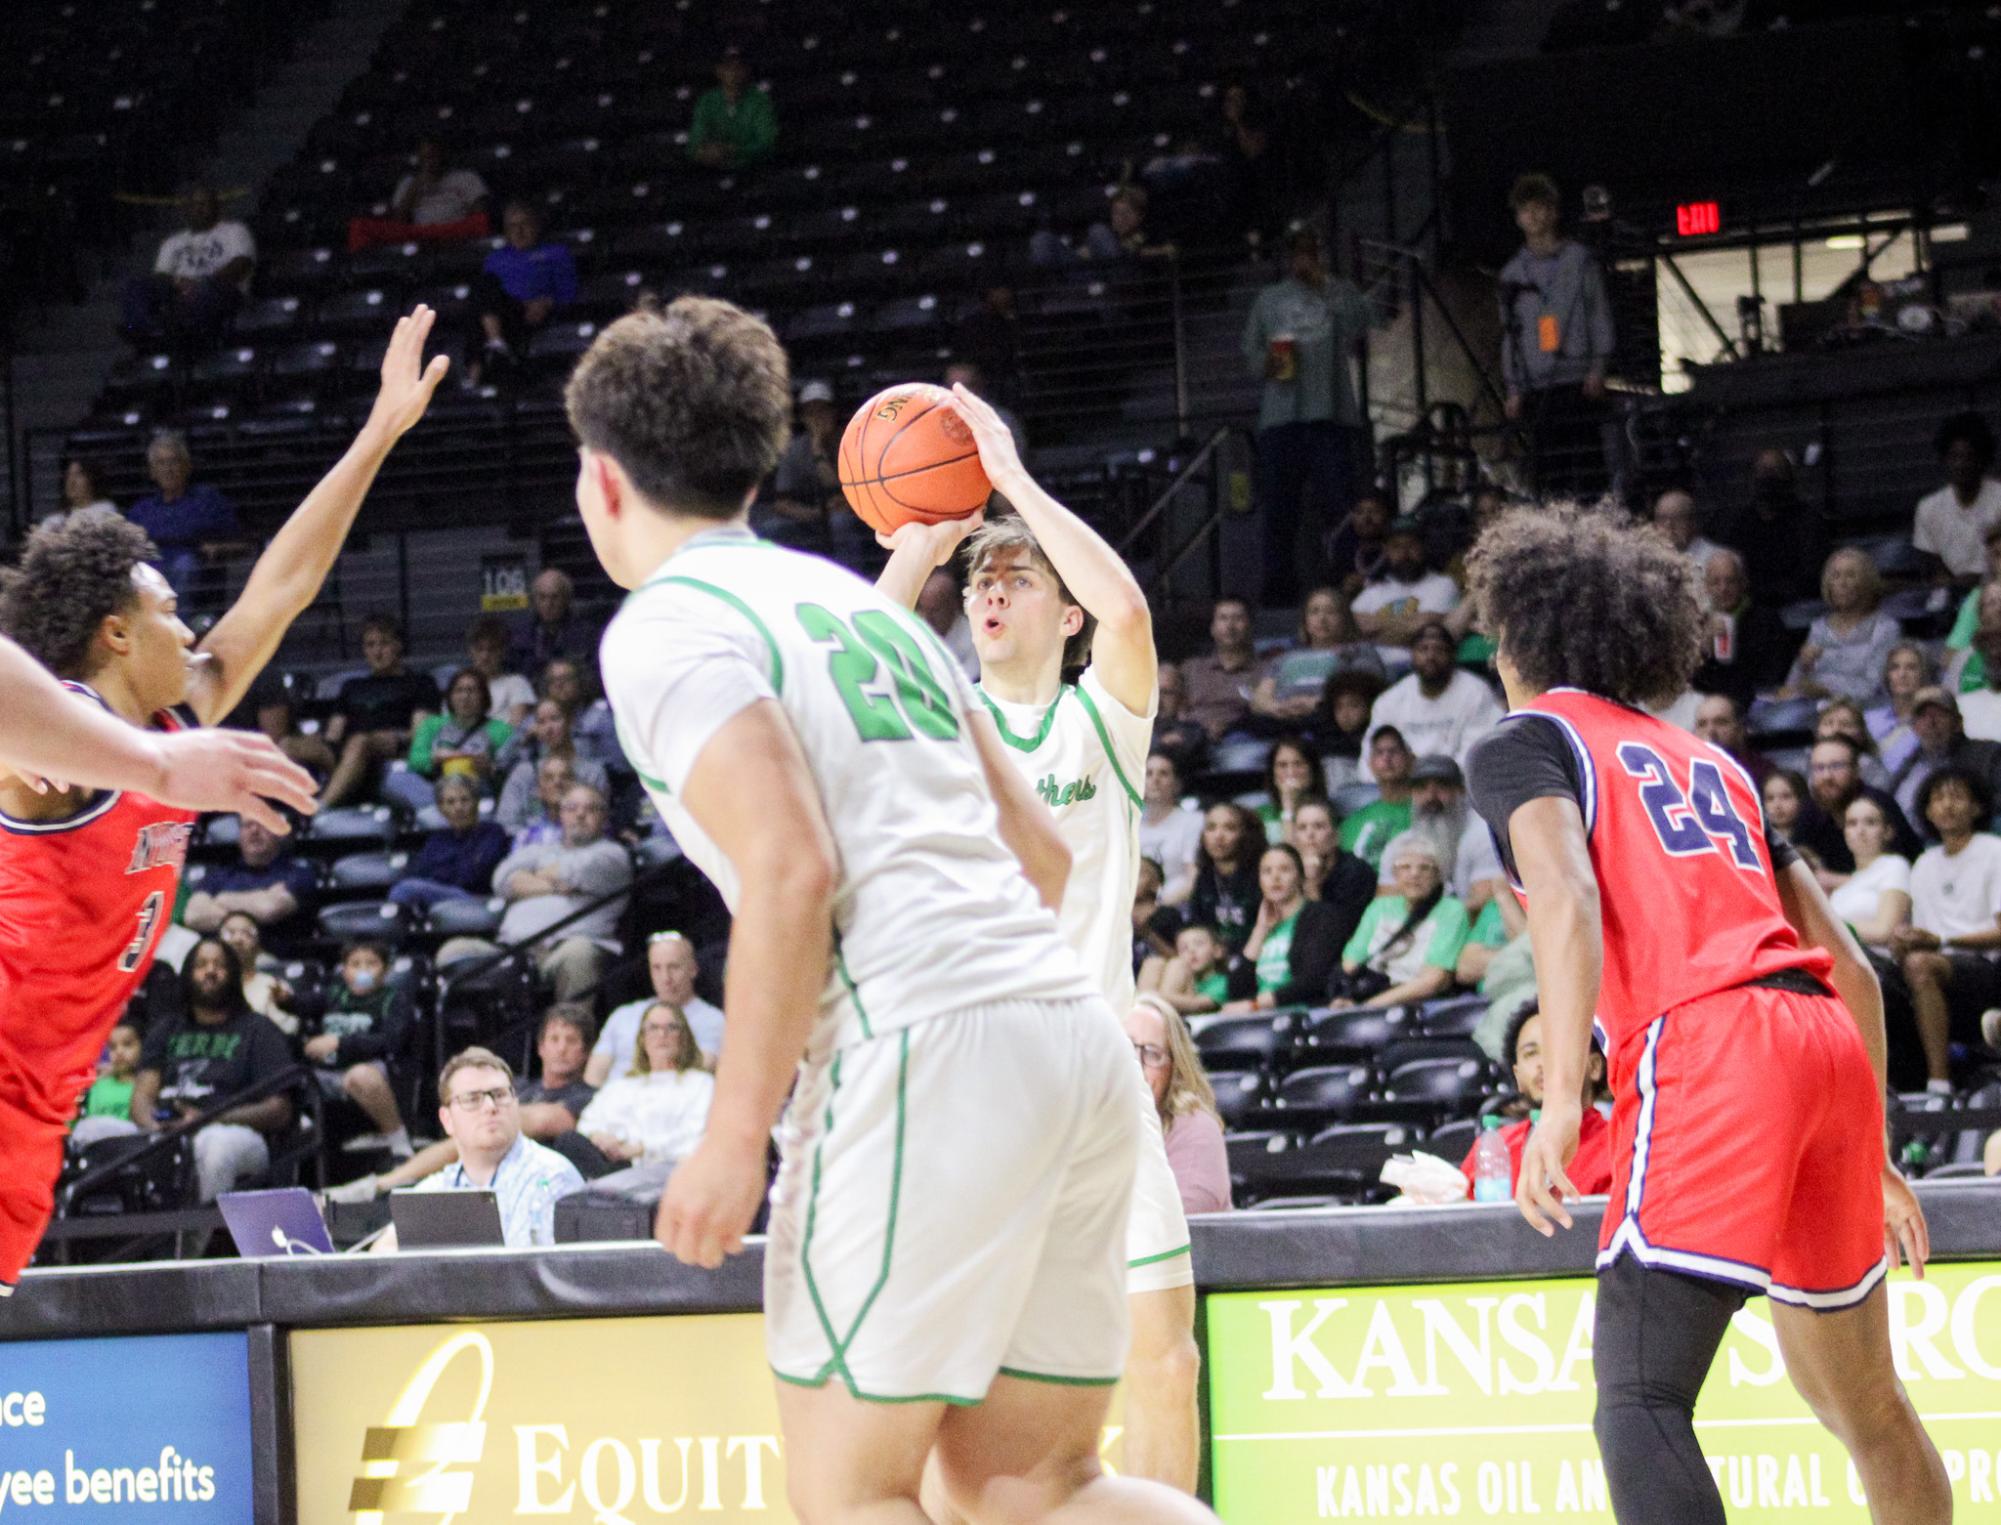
x,y
1694,218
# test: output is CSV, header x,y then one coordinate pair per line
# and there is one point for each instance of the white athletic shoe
x,y
354,1192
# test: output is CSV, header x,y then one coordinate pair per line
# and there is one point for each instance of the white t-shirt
x,y
190,255
662,1113
1857,898
1433,593
1447,725
1172,843
1980,714
619,1037
508,692
1960,895
456,196
932,914
1082,754
1957,535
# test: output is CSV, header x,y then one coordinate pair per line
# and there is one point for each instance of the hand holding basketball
x,y
936,541
908,456
991,433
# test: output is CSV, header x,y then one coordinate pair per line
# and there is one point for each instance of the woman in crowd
x,y
1292,945
1292,773
1847,646
1289,693
1786,804
457,861
461,742
550,735
1226,873
1876,899
1343,723
1408,943
1844,717
1905,670
656,1111
1334,876
83,489
267,994
1186,1103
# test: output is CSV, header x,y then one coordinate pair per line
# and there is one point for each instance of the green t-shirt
x,y
1435,943
1476,650
108,1096
1369,830
1973,676
1275,957
1967,622
1489,931
1215,985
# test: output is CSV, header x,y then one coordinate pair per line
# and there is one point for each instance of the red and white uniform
x,y
1747,1128
82,905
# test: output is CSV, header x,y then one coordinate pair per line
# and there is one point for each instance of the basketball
x,y
908,457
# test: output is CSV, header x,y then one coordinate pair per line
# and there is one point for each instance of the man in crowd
x,y
218,1048
1368,831
267,883
552,629
198,278
1591,1167
1747,646
1439,813
548,883
1557,340
1216,689
1438,707
1947,951
1942,743
1406,597
1720,722
671,965
591,724
1674,512
1301,336
735,125
375,714
1168,834
1952,524
433,204
1834,778
509,695
186,519
802,506
1782,537
525,760
523,284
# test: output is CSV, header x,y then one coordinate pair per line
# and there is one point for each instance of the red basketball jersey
x,y
82,905
1685,880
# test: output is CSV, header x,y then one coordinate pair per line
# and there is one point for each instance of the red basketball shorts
x,y
1747,1147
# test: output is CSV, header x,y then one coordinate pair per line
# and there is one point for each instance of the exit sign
x,y
1694,218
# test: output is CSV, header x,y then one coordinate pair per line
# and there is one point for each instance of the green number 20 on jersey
x,y
917,701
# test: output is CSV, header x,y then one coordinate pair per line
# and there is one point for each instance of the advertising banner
x,y
1474,1402
154,1428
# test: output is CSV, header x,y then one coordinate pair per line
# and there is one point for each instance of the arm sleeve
x,y
1365,930
676,675
383,1041
163,262
703,129
1253,341
422,740
1925,538
1968,621
491,848
760,126
1513,371
606,868
1448,934
563,277
1128,735
242,242
1523,758
213,518
1311,965
512,811
521,858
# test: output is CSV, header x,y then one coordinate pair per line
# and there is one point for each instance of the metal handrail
x,y
1180,480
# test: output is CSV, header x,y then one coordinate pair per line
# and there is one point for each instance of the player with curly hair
x,y
1742,1026
88,877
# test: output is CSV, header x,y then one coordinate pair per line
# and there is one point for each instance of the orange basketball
x,y
907,456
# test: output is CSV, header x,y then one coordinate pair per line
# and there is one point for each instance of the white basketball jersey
x,y
933,913
1082,754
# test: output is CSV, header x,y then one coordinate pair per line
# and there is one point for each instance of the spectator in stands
x,y
522,284
1781,537
1154,925
735,124
1301,336
1590,1169
1290,692
432,204
198,280
1951,526
1439,813
1720,722
509,695
1337,878
1875,900
278,718
83,491
267,882
1788,804
456,861
800,510
1201,976
1169,832
525,796
1176,732
461,742
1227,892
547,884
110,1095
1407,597
480,1111
217,1050
1359,550
564,679
1847,646
1292,944
652,1117
1675,514
1980,708
1557,340
673,968
552,630
1748,646
268,995
1946,951
1292,773
941,604
1966,670
364,1026
1344,724
1369,830
188,521
1439,707
1120,239
1941,743
1843,717
1407,945
1256,183
542,820
1185,1101
1906,671
1218,687
374,715
1834,775
1968,618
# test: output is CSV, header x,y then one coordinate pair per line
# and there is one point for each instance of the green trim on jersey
x,y
1043,1376
854,991
853,1391
1105,741
1048,720
777,662
1147,1260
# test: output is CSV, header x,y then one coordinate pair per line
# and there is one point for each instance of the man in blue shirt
x,y
266,884
183,517
522,284
480,1112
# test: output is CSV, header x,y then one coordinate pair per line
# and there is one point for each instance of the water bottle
x,y
1493,1172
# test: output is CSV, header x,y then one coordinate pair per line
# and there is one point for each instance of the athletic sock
x,y
399,1143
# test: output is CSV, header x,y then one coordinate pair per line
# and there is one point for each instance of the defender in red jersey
x,y
88,879
1742,1025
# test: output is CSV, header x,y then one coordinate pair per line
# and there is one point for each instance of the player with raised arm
x,y
946,1256
1743,1028
1047,595
88,878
